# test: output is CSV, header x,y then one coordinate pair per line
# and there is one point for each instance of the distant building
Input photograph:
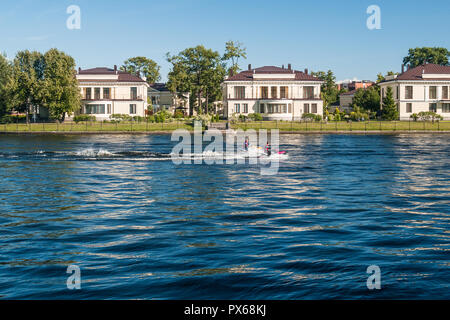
x,y
355,85
107,91
346,100
423,88
276,93
160,98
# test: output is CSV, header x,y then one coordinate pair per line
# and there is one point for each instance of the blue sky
x,y
318,35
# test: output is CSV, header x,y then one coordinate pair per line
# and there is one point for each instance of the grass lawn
x,y
94,127
281,125
346,126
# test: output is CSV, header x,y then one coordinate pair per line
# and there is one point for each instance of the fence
x,y
301,126
337,126
92,126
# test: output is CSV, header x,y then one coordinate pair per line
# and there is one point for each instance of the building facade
x,y
346,100
107,91
161,98
424,88
276,93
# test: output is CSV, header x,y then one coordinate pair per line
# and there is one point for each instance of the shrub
x,y
138,119
120,117
13,118
414,116
242,118
255,116
429,116
311,117
84,118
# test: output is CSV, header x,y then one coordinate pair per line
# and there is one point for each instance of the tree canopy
x,y
197,70
5,82
46,80
234,50
368,99
60,92
144,66
419,56
329,90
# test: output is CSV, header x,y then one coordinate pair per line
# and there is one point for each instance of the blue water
x,y
139,226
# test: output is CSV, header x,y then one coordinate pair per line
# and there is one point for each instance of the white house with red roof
x,y
423,88
276,93
107,91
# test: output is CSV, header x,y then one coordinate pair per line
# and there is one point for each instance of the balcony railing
x,y
123,98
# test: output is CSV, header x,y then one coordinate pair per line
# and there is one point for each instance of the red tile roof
x,y
123,75
247,75
416,73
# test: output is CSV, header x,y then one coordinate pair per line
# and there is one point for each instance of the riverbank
x,y
284,127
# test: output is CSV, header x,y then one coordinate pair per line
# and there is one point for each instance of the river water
x,y
139,226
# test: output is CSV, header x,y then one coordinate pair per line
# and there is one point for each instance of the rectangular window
x,y
398,93
409,108
97,93
132,109
445,93
88,93
239,92
433,107
446,107
284,92
237,108
264,92
408,92
290,108
245,105
106,93
274,92
433,92
133,93
314,108
382,92
306,108
109,109
308,92
95,109
261,108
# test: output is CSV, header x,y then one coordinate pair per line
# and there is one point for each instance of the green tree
x,y
368,99
60,92
5,84
28,73
419,56
233,52
143,66
329,89
199,71
390,111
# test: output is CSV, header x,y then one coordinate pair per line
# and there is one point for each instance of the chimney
x,y
115,68
409,66
230,73
289,66
282,66
79,70
249,67
306,71
403,68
